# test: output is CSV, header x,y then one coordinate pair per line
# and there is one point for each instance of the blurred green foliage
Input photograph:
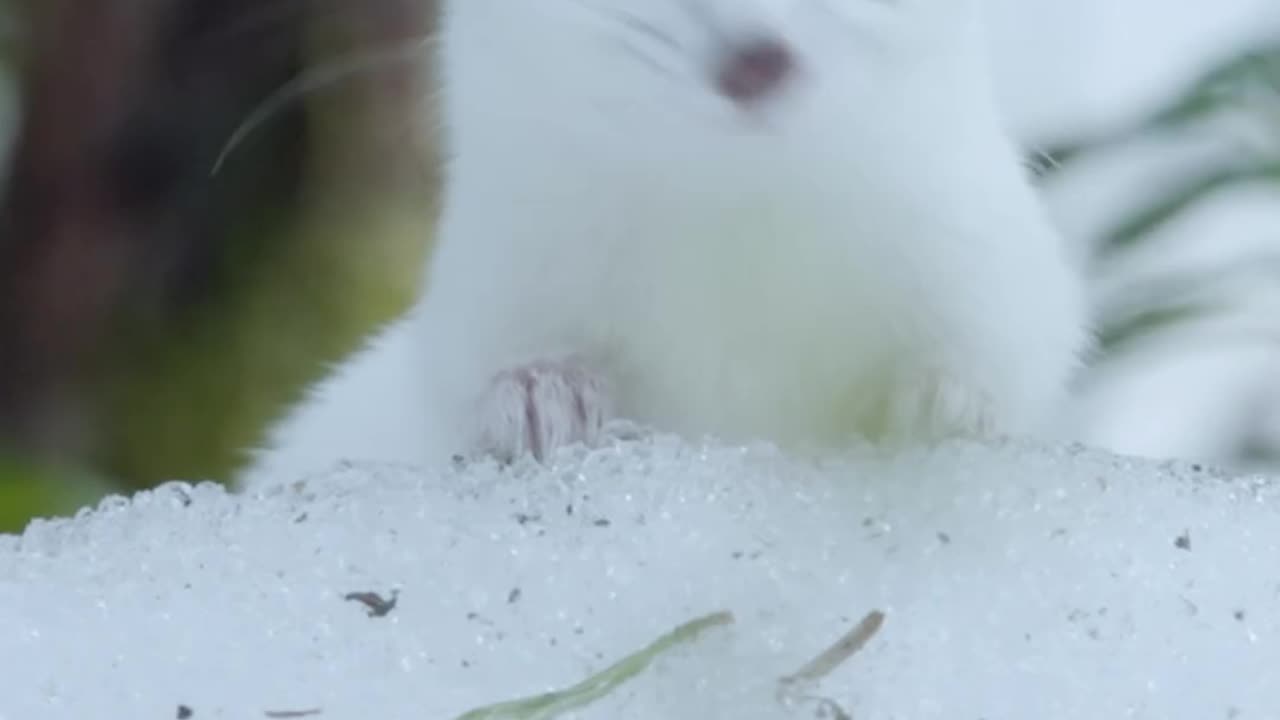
x,y
242,361
36,489
1247,88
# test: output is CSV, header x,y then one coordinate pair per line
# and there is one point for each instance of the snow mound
x,y
1015,582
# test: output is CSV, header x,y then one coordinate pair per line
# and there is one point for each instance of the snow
x,y
1016,582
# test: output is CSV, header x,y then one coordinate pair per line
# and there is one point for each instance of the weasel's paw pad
x,y
937,408
539,407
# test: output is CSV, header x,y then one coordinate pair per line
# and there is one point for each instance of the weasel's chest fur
x,y
747,315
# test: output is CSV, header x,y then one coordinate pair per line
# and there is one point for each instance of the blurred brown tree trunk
x,y
62,249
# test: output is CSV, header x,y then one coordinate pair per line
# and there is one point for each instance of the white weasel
x,y
792,220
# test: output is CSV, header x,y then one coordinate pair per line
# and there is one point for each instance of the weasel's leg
x,y
933,406
1004,369
540,406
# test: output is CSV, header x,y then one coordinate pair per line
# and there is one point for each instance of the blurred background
x,y
206,201
154,313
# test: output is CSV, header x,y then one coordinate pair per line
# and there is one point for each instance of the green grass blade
x,y
553,704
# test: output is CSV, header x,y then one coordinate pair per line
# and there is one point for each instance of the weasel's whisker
x,y
315,79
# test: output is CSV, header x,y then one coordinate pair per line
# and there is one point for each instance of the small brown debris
x,y
1192,608
377,605
830,709
836,655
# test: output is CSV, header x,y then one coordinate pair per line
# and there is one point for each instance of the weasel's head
x,y
685,74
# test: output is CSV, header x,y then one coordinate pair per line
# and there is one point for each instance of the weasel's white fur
x,y
861,255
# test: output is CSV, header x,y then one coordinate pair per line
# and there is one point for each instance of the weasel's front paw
x,y
936,407
539,407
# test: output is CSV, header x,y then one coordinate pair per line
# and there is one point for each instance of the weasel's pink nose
x,y
754,70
